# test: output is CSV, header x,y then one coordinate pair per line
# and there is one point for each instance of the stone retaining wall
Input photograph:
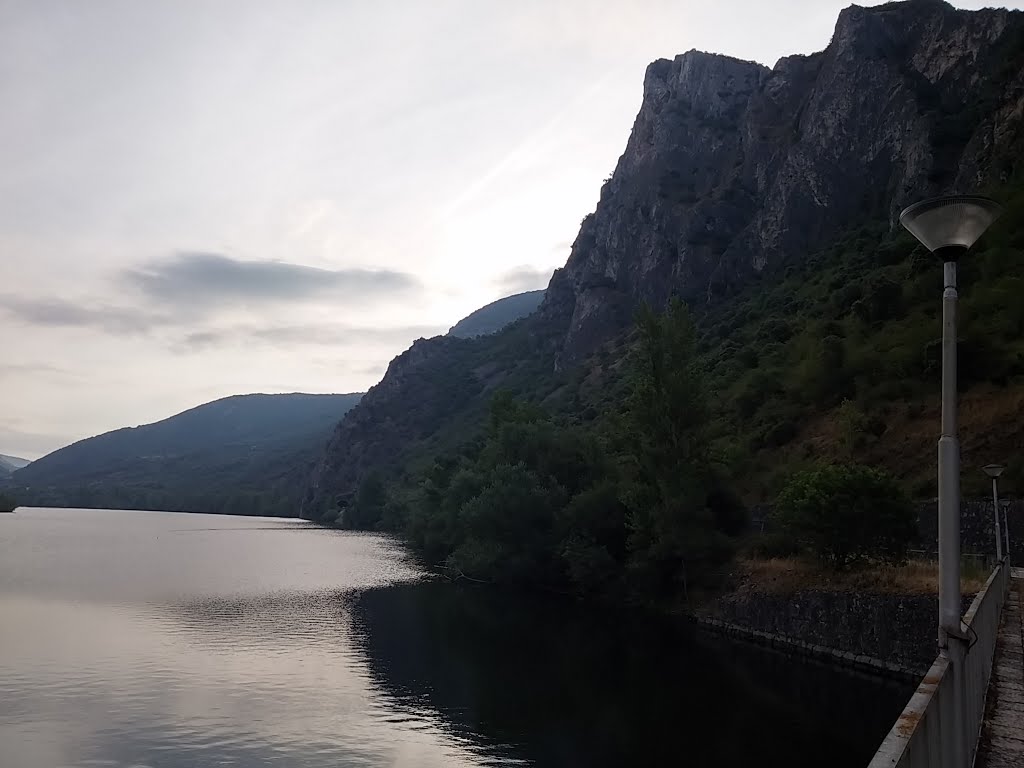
x,y
789,645
890,634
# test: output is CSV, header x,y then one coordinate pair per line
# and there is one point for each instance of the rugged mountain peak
x,y
931,35
733,169
709,78
732,173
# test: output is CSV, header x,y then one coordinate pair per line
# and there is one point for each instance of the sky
x,y
201,198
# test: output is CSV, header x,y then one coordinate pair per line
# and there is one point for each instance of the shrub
x,y
844,514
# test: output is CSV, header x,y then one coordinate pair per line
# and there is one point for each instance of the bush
x,y
844,514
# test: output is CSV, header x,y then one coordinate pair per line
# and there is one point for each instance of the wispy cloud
x,y
329,335
187,290
210,279
524,278
31,369
60,313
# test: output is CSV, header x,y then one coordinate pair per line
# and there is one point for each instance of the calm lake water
x,y
172,640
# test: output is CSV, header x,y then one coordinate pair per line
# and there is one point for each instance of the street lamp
x,y
994,471
948,227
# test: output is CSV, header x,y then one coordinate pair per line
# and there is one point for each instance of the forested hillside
x,y
767,200
243,455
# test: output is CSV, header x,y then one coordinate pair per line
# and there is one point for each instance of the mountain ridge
x,y
9,464
733,175
243,453
492,317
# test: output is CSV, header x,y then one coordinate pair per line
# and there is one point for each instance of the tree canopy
x,y
846,514
627,503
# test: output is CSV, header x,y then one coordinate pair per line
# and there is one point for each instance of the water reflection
x,y
566,685
207,655
174,641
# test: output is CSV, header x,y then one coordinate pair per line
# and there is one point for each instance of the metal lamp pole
x,y
1006,537
948,227
994,471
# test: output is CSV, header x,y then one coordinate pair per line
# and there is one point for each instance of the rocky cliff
x,y
733,173
734,170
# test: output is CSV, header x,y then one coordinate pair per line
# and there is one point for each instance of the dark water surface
x,y
169,640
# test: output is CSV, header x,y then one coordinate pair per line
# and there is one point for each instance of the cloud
x,y
330,335
59,313
31,369
524,278
211,279
189,287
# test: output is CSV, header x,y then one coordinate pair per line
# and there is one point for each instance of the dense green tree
x,y
509,528
499,512
623,502
674,541
845,514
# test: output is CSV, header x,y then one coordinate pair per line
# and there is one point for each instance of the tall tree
x,y
673,537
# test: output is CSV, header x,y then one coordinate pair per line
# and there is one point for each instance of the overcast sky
x,y
205,198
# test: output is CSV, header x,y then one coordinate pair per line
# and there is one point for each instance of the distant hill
x,y
247,454
9,464
497,315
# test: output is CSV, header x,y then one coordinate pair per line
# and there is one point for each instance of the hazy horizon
x,y
206,199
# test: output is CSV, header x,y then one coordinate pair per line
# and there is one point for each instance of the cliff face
x,y
414,396
733,172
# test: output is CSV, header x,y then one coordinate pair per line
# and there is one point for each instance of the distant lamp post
x,y
994,471
948,227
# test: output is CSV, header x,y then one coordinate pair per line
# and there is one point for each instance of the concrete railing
x,y
924,736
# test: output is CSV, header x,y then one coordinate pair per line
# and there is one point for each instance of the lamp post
x,y
948,227
994,471
1006,537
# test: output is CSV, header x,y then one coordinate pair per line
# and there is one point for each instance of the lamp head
x,y
948,226
993,470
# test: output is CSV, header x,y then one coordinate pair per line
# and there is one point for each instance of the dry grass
x,y
989,426
917,577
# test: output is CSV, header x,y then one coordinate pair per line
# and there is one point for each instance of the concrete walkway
x,y
1002,735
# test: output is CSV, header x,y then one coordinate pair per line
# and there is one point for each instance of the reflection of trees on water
x,y
278,621
565,685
